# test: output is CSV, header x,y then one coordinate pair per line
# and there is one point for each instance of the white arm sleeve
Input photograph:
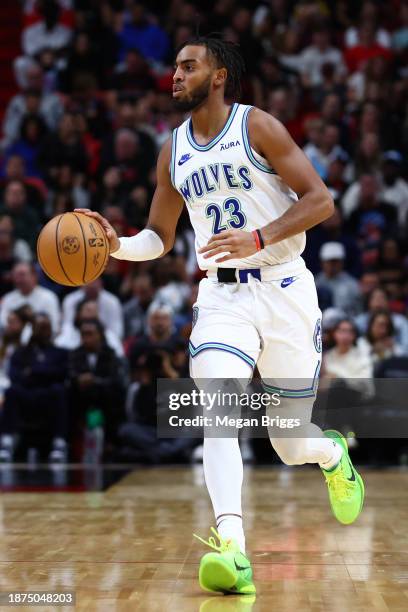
x,y
142,247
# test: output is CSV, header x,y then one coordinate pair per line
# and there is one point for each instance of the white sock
x,y
336,454
230,527
223,472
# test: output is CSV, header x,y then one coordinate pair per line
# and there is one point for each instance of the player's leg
x,y
224,347
227,569
289,364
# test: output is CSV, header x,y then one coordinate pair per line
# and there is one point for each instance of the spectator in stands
x,y
159,335
37,395
109,306
328,150
32,100
11,252
70,337
83,65
25,218
377,301
395,188
142,33
380,342
371,217
11,339
347,359
135,309
319,53
63,148
138,436
332,230
365,48
27,291
28,146
133,74
344,288
48,33
97,377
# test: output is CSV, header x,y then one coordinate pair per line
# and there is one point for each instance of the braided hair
x,y
226,55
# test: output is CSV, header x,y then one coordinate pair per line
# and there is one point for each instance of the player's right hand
x,y
111,234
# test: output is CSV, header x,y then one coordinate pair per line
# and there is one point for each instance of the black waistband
x,y
229,275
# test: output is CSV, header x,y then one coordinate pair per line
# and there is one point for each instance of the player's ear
x,y
220,77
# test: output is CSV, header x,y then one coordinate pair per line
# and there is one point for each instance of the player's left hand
x,y
236,242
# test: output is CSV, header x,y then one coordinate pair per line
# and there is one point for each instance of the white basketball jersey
x,y
227,185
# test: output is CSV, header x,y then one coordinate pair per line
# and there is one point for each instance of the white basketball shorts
x,y
273,324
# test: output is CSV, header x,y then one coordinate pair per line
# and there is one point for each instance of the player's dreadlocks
x,y
226,55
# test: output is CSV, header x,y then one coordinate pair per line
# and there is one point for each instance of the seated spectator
x,y
159,335
25,218
37,394
135,309
83,65
14,170
27,291
372,217
344,288
332,229
48,33
97,377
138,436
395,188
369,12
365,48
142,33
11,252
379,341
109,306
347,359
133,154
319,53
377,301
70,338
11,339
32,132
133,74
63,148
400,36
326,151
32,100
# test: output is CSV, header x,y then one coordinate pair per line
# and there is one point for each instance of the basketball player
x,y
251,194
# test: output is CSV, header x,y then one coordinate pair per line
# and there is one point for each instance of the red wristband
x,y
257,240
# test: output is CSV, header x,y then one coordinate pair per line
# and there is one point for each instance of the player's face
x,y
193,77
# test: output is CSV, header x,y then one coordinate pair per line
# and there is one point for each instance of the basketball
x,y
73,249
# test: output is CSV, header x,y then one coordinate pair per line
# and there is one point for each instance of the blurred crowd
x,y
84,130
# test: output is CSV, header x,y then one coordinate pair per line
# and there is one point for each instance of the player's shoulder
x,y
264,128
260,120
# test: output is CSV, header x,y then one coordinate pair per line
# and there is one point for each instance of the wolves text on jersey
x,y
214,177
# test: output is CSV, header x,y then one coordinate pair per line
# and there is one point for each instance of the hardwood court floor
x,y
131,547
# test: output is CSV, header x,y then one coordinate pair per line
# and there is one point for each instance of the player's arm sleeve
x,y
145,245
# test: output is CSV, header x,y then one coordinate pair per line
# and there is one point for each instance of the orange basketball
x,y
73,249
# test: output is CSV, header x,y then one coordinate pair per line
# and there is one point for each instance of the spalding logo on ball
x,y
73,249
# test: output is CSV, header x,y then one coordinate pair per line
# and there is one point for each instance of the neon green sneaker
x,y
346,487
227,570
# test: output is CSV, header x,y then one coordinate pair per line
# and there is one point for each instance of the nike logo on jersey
x,y
288,281
228,145
184,158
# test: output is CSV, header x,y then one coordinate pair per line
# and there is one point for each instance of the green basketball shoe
x,y
346,487
227,570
